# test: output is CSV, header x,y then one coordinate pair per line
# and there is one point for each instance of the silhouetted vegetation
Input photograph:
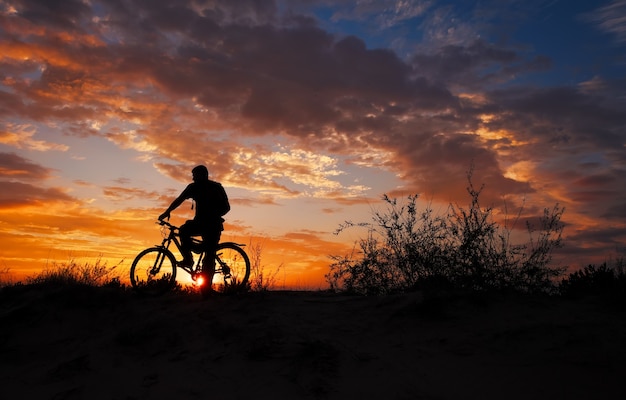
x,y
73,273
463,249
406,250
603,280
261,280
5,277
235,286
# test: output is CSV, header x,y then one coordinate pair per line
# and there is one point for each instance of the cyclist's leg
x,y
210,240
186,231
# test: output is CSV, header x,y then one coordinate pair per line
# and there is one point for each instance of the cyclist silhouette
x,y
211,204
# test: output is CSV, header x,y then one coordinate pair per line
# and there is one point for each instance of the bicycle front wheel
x,y
153,271
232,265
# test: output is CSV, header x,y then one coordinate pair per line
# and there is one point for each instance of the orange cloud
x,y
21,136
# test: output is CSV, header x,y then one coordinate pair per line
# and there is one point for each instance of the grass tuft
x,y
73,273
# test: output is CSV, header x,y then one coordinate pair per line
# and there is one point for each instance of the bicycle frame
x,y
154,269
174,235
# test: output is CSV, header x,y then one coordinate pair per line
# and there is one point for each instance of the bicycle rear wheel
x,y
232,266
153,271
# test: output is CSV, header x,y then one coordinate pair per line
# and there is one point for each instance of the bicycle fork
x,y
158,263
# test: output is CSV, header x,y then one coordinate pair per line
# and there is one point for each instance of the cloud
x,y
58,15
309,174
124,194
476,65
303,58
439,165
16,195
131,140
443,26
602,243
386,13
256,77
557,116
21,137
611,19
13,166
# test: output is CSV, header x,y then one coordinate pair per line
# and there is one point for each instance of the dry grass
x,y
262,277
6,278
74,273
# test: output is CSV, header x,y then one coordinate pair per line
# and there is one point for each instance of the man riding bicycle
x,y
211,204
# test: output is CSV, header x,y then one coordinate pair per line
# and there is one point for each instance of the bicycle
x,y
153,271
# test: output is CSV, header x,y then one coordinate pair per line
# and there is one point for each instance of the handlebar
x,y
166,223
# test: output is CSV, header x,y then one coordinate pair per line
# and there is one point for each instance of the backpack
x,y
222,206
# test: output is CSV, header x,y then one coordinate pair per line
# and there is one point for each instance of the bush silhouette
x,y
407,249
602,280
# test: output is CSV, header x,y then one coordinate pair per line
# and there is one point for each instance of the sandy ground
x,y
105,344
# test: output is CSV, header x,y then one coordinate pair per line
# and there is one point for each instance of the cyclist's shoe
x,y
226,271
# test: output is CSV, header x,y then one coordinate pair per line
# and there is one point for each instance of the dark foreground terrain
x,y
98,343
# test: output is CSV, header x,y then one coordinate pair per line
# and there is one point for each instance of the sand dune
x,y
95,343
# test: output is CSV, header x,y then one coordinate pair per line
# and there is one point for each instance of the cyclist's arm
x,y
177,202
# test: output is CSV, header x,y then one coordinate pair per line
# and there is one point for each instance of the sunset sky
x,y
307,112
